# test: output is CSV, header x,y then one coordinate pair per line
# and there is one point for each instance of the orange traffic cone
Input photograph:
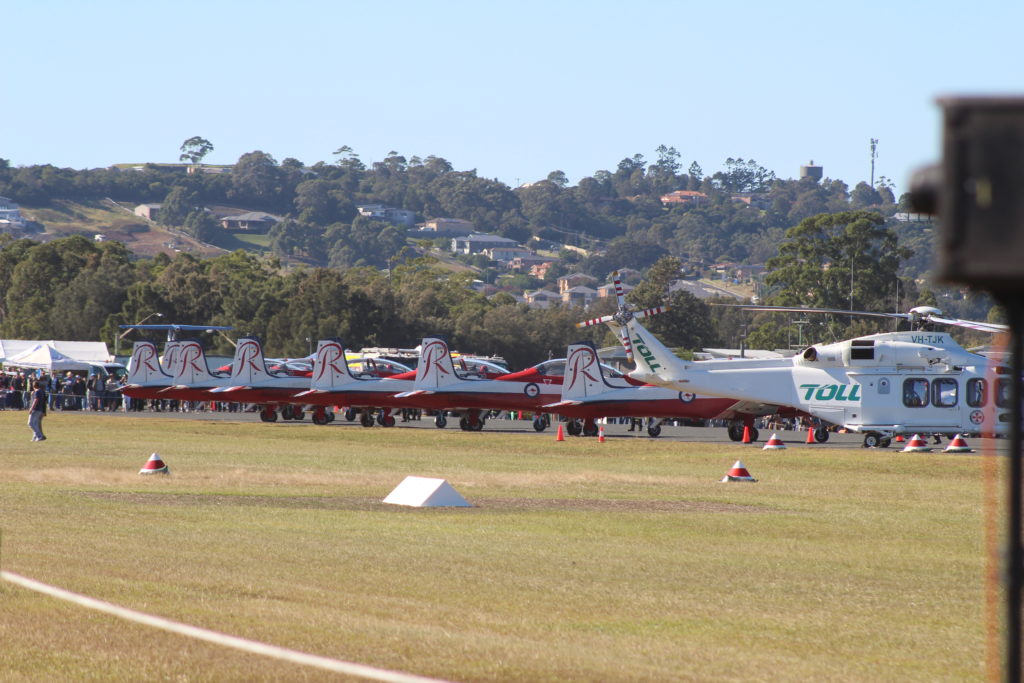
x,y
810,435
899,438
738,473
916,445
560,434
154,466
746,434
773,444
957,445
600,434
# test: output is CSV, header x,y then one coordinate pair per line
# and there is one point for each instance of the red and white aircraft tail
x,y
436,368
330,369
144,367
248,367
171,358
191,367
583,374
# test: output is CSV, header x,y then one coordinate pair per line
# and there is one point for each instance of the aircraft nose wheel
x,y
440,421
654,431
268,415
366,418
539,424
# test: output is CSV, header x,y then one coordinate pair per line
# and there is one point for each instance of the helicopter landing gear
x,y
876,440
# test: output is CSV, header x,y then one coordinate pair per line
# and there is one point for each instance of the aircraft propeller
x,y
622,316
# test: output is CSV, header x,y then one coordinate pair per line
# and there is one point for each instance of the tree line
x,y
616,210
74,288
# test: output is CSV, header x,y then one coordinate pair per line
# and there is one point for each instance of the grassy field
x,y
626,560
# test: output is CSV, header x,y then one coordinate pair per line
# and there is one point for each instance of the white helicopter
x,y
880,385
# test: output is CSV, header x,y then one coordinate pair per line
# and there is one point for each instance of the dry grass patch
x,y
578,560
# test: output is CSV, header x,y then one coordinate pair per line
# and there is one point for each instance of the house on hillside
x,y
147,211
526,262
387,214
542,298
254,221
10,214
684,198
478,242
505,255
449,227
579,296
567,282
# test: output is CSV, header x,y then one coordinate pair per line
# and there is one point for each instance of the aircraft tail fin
x,y
248,366
144,366
330,369
654,361
583,374
171,358
191,367
436,368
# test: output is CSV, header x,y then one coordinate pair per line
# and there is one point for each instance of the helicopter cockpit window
x,y
944,392
915,392
1003,392
976,393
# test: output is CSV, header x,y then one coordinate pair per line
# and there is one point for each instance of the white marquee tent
x,y
45,357
90,352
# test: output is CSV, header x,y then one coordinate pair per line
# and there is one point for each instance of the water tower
x,y
811,171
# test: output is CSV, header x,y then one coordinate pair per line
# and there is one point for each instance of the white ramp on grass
x,y
424,492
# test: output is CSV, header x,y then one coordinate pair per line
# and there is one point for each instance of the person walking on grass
x,y
37,410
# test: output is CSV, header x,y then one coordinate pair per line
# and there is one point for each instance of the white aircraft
x,y
879,385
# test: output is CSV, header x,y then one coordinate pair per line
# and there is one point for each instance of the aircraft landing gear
x,y
268,414
876,440
590,428
321,416
735,432
472,421
821,435
440,421
366,418
540,422
654,429
350,414
573,428
385,418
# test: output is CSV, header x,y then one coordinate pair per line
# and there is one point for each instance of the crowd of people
x,y
72,391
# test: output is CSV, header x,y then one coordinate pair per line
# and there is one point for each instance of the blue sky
x,y
514,90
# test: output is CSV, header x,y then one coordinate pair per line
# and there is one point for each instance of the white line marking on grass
x,y
326,663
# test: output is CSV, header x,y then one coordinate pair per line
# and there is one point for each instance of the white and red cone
x,y
916,445
600,434
957,445
154,466
773,444
738,473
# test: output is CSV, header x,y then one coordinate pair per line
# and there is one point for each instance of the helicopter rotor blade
x,y
994,328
